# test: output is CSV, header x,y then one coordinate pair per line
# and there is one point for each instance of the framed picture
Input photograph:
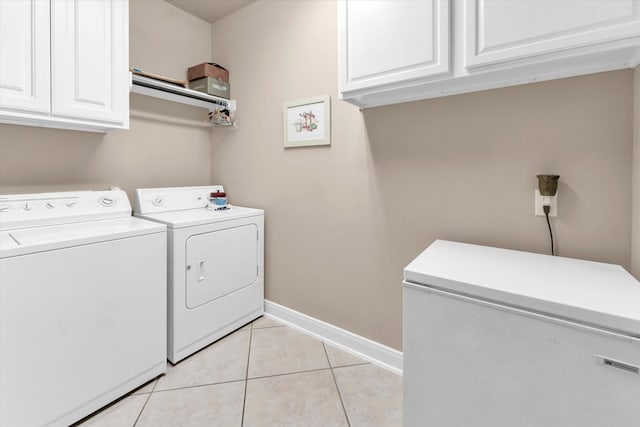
x,y
307,122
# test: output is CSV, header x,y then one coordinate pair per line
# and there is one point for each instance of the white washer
x,y
215,265
82,304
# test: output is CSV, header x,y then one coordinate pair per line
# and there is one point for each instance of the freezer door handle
x,y
613,363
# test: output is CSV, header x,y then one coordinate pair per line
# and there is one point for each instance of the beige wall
x,y
166,40
164,148
635,250
343,221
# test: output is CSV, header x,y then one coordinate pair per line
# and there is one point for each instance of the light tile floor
x,y
264,374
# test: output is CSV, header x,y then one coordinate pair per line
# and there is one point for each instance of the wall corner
x,y
635,185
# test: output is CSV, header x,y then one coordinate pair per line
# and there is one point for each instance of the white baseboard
x,y
376,353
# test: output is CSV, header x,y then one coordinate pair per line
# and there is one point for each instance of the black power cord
x,y
547,209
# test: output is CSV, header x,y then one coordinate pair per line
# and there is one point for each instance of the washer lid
x,y
200,216
594,293
39,239
7,242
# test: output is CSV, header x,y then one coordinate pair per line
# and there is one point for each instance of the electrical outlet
x,y
538,204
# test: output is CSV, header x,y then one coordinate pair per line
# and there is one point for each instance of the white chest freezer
x,y
495,337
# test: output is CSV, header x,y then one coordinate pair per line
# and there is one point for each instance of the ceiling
x,y
210,10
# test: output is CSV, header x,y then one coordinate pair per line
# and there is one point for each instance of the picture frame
x,y
307,122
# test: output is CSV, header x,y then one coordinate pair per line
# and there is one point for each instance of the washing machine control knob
x,y
49,205
107,202
71,204
27,206
4,208
157,201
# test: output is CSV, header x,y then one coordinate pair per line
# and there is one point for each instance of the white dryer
x,y
82,304
215,265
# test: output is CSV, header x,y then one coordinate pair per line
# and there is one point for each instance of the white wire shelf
x,y
159,89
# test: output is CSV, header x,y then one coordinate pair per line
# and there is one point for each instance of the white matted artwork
x,y
307,122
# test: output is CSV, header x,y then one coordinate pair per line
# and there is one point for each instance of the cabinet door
x,y
90,57
505,30
24,56
386,42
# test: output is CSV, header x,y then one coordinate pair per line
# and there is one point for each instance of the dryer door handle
x,y
201,270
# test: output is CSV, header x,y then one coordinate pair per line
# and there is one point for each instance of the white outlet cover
x,y
538,205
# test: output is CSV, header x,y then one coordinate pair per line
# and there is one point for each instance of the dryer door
x,y
220,262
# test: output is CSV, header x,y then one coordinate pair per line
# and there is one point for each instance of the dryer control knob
x,y
157,201
71,204
49,205
27,206
4,208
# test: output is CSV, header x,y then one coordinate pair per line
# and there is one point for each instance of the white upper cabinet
x,y
24,55
83,82
392,41
398,51
91,81
506,30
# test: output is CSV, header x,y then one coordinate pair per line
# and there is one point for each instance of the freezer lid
x,y
595,293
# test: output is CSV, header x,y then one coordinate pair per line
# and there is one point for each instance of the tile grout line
x,y
253,378
201,350
143,406
155,384
154,390
289,373
246,376
326,354
269,327
351,365
346,416
196,385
